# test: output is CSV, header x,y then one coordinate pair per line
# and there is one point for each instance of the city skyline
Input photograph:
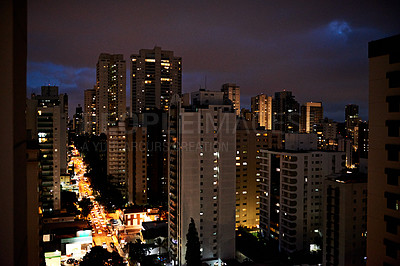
x,y
313,49
182,177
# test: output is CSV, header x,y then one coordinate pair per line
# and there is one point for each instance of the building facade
x,y
202,154
329,134
156,75
311,115
77,122
351,119
286,112
89,111
136,163
291,196
345,219
47,117
261,109
110,91
232,92
383,241
249,141
116,156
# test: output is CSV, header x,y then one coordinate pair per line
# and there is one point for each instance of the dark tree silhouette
x,y
193,256
68,199
100,256
138,253
86,205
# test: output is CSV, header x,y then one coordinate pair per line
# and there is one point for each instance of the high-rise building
x,y
136,163
110,91
363,139
329,134
351,119
89,111
286,112
344,209
249,141
291,192
156,75
232,92
261,108
246,114
116,156
311,115
15,228
202,151
346,146
383,242
77,122
34,217
47,116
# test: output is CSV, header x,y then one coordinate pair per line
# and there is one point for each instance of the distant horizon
x,y
244,104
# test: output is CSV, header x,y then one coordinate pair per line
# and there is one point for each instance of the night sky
x,y
315,49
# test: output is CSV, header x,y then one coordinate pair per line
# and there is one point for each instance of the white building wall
x,y
207,180
300,202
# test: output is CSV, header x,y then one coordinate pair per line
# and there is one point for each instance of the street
x,y
102,230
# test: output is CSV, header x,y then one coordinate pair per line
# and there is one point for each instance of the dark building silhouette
x,y
351,119
363,139
156,75
383,218
286,112
13,165
78,120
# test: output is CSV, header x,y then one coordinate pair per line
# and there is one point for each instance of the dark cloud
x,y
70,80
314,48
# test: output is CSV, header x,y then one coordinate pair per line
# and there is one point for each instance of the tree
x,y
138,253
68,201
100,256
193,255
86,205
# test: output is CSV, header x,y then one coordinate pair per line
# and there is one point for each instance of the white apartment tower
x,y
291,194
47,116
202,149
110,91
